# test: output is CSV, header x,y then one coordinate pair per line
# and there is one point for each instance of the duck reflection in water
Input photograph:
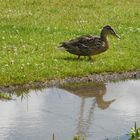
x,y
96,92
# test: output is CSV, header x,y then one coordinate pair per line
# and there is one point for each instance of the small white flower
x,y
3,38
21,40
30,13
28,63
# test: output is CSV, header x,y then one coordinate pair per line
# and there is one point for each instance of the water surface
x,y
92,110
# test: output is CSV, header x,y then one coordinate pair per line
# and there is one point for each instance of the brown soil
x,y
103,77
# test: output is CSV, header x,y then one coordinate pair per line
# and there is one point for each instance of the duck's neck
x,y
103,35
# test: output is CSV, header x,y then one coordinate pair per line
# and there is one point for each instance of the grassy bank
x,y
5,97
31,30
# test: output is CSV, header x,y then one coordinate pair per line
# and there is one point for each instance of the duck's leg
x,y
78,57
90,58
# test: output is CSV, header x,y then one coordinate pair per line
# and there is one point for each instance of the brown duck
x,y
89,45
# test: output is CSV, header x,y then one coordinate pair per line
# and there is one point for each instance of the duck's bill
x,y
117,36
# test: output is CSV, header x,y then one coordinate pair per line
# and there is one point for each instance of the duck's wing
x,y
82,39
76,42
83,42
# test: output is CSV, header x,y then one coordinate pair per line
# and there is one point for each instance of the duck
x,y
89,45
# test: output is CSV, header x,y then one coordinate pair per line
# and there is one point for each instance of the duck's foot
x,y
78,57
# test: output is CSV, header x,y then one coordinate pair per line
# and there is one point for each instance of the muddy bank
x,y
103,77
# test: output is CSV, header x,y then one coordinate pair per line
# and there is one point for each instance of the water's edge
x,y
103,77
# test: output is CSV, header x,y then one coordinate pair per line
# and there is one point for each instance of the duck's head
x,y
107,30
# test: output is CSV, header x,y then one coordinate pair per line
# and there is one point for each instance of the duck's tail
x,y
63,45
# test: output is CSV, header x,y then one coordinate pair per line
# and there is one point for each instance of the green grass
x,y
5,97
135,133
31,30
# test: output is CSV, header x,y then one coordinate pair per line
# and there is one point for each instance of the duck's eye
x,y
108,27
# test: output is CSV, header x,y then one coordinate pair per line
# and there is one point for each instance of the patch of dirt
x,y
103,77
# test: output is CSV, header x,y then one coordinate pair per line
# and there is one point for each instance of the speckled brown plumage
x,y
89,45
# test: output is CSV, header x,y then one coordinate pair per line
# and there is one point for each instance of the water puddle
x,y
92,110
